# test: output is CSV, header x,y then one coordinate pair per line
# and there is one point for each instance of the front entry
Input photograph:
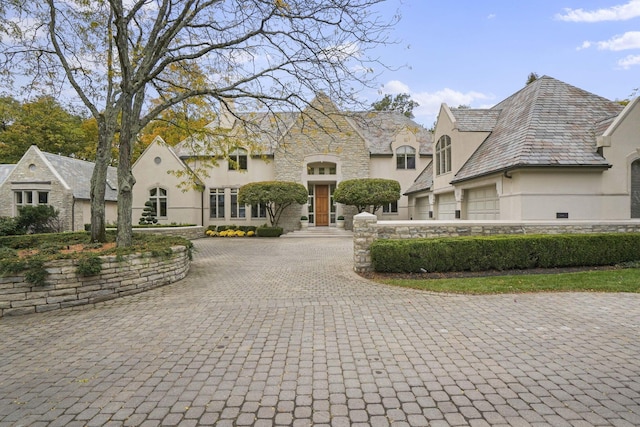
x,y
322,205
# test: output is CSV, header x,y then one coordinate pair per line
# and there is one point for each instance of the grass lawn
x,y
616,280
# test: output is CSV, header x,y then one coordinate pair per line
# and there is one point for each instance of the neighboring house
x,y
318,148
549,151
41,178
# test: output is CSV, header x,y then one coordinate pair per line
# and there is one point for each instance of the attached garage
x,y
446,206
422,208
482,203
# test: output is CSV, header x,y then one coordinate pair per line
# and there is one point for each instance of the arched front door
x,y
635,189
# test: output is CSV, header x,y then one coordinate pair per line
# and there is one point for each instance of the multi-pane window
x,y
158,198
238,159
28,197
443,155
258,211
237,210
216,203
390,207
406,157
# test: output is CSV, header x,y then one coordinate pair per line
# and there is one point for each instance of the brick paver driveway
x,y
282,332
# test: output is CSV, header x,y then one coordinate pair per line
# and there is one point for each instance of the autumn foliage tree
x,y
117,56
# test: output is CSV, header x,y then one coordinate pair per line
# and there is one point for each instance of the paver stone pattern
x,y
282,332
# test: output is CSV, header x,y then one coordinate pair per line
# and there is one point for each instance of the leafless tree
x,y
117,55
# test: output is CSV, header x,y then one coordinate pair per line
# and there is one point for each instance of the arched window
x,y
238,159
406,157
158,197
443,155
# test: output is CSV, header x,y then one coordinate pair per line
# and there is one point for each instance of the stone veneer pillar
x,y
364,234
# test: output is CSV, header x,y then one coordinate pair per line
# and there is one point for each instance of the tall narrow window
x,y
238,159
237,210
443,155
258,211
406,157
216,203
158,197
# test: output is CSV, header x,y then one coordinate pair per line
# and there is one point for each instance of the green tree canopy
x,y
42,122
367,192
401,102
275,195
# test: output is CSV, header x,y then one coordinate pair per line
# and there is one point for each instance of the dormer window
x,y
406,157
443,155
238,159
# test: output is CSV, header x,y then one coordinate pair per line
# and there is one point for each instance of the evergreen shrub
x,y
504,252
269,231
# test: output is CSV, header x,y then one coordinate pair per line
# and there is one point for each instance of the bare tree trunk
x,y
98,182
126,181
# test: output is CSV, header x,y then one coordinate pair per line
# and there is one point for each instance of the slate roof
x,y
267,128
380,127
547,123
5,170
77,174
423,182
475,120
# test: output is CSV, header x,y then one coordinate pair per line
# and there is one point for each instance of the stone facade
x,y
368,229
64,288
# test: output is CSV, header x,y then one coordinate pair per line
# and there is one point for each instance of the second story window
x,y
406,157
443,155
238,159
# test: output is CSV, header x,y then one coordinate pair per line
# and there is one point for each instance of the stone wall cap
x,y
365,215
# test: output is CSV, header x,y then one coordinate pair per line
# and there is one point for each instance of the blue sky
x,y
477,53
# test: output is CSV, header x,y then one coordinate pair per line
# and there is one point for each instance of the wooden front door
x,y
322,205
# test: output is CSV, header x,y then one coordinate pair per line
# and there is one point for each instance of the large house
x,y
318,147
549,151
42,178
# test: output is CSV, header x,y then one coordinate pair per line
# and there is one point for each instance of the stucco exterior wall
x,y
151,170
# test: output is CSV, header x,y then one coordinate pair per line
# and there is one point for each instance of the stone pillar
x,y
365,233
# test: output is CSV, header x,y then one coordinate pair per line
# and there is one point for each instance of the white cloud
x,y
615,13
628,40
585,45
491,16
629,61
430,102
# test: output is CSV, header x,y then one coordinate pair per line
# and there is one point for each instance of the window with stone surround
x,y
238,159
30,198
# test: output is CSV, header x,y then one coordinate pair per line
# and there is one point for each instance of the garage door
x,y
446,206
482,203
422,208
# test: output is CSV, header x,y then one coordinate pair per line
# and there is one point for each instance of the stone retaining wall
x,y
367,229
64,288
191,232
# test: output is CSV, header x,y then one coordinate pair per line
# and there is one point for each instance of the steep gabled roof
x,y
475,120
547,123
264,130
76,174
423,182
5,170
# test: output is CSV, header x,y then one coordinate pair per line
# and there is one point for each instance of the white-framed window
x,y
406,157
259,211
216,203
158,198
237,210
443,155
390,207
238,159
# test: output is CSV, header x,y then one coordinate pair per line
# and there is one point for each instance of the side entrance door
x,y
322,205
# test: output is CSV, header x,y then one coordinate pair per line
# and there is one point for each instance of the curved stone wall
x,y
64,288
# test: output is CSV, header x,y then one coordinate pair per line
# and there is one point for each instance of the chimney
x,y
227,110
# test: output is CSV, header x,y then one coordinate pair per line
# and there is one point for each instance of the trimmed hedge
x,y
269,231
504,252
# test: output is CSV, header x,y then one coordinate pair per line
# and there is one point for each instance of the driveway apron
x,y
283,332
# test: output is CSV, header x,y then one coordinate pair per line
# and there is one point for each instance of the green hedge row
x,y
504,252
269,231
